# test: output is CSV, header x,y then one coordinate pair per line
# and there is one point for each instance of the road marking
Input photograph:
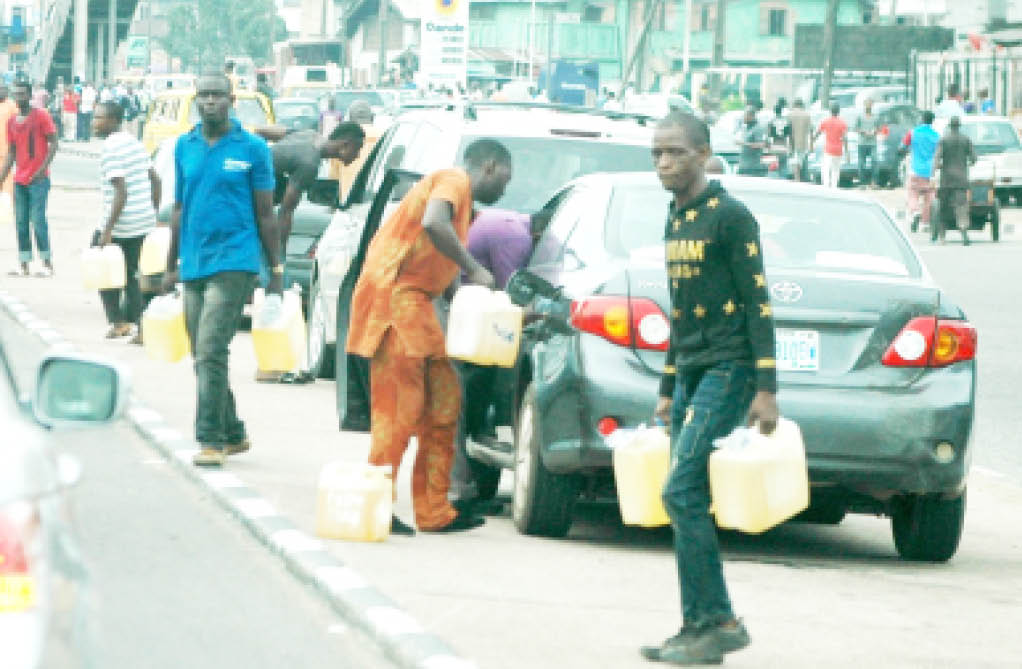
x,y
254,507
154,462
337,628
167,434
990,472
296,541
392,621
222,480
340,578
145,415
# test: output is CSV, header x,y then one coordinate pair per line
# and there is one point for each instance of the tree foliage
x,y
204,32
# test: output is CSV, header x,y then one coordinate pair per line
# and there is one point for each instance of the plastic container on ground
x,y
163,327
354,501
759,481
153,258
103,267
484,327
642,462
278,331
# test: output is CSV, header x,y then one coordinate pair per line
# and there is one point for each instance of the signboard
x,y
444,59
878,48
136,52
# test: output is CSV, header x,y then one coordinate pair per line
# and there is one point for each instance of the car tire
x,y
487,479
927,528
995,224
320,354
543,502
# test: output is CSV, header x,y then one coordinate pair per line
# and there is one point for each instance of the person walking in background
x,y
986,103
69,115
359,112
752,138
719,372
955,153
952,105
131,193
221,225
32,139
835,147
413,258
867,126
85,109
8,110
921,141
800,138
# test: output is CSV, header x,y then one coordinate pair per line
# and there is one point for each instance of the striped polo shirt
x,y
124,156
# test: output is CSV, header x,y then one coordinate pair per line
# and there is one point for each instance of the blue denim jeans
x,y
708,404
213,307
30,211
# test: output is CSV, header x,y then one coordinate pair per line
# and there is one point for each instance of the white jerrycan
x,y
163,327
278,331
103,267
153,257
759,481
484,327
354,501
641,465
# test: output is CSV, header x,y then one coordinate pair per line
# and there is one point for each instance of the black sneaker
x,y
461,522
689,647
398,527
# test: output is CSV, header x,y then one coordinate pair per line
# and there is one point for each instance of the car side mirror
x,y
524,286
78,390
323,192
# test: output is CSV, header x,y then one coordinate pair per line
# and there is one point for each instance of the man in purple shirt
x,y
502,242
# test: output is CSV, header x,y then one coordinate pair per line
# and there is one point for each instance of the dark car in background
x,y
875,361
297,113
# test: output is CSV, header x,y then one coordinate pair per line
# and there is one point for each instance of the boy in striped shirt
x,y
131,194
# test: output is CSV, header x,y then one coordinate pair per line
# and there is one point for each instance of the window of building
x,y
592,14
704,17
483,12
778,23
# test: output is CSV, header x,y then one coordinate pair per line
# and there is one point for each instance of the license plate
x,y
798,350
17,593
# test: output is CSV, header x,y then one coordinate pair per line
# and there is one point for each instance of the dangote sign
x,y
444,58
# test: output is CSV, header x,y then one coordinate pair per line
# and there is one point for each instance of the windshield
x,y
798,231
992,137
344,98
246,110
542,164
291,110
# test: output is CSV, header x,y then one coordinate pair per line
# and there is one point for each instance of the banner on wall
x,y
444,56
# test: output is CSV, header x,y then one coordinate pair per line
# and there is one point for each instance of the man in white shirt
x,y
85,111
951,106
131,194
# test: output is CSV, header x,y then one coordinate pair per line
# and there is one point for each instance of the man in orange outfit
x,y
416,255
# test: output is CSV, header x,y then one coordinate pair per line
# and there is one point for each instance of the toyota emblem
x,y
786,291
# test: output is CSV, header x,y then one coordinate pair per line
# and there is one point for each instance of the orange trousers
x,y
420,397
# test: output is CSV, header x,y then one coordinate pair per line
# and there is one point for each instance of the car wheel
x,y
995,224
320,354
543,502
927,528
487,479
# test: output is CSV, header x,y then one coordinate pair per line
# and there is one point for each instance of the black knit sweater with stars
x,y
720,305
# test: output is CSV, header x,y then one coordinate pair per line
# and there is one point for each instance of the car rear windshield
x,y
542,164
246,110
296,110
992,136
798,231
344,98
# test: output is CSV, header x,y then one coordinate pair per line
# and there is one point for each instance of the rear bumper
x,y
874,442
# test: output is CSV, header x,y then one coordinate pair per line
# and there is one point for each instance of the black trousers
x,y
125,305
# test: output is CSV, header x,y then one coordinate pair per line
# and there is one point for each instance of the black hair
x,y
348,131
22,83
695,128
114,109
213,74
927,117
484,150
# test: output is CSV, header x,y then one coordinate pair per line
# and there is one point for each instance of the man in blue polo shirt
x,y
221,224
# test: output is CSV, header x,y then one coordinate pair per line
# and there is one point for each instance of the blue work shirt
x,y
215,187
924,145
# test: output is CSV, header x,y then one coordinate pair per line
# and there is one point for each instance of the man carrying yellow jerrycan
x,y
711,381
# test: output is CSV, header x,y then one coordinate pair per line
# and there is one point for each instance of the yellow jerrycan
x,y
103,267
642,461
354,501
484,327
278,331
758,481
163,329
153,257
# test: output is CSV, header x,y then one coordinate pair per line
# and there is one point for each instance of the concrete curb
x,y
399,635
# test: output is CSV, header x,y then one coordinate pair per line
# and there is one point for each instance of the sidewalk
x,y
90,149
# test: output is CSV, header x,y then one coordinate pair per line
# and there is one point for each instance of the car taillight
x,y
618,319
19,526
930,342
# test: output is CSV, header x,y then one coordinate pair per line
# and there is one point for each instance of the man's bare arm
x,y
438,222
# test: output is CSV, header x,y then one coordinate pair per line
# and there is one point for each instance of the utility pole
x,y
829,28
149,37
549,53
111,36
686,25
382,20
719,39
640,45
532,39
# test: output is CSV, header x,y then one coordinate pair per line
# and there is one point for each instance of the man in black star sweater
x,y
720,370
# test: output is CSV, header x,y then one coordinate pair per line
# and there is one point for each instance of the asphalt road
x,y
176,583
